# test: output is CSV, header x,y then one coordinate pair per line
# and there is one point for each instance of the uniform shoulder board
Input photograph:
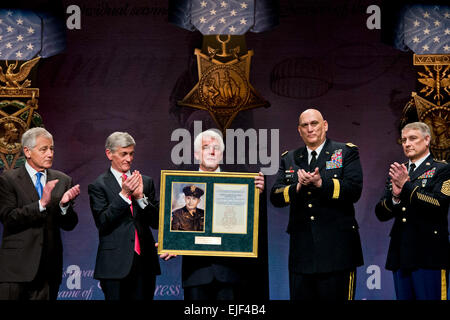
x,y
284,153
351,145
440,161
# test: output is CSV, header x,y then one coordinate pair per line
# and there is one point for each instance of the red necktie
x,y
137,246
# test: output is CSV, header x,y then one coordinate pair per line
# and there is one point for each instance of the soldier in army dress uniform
x,y
417,198
320,182
189,218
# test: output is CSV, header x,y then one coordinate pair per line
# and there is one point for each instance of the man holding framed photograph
x,y
213,278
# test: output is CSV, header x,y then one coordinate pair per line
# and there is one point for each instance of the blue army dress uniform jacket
x,y
419,235
324,234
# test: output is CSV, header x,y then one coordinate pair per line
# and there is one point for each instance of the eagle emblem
x,y
12,79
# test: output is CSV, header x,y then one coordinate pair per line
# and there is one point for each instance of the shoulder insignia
x,y
446,188
351,145
284,153
440,161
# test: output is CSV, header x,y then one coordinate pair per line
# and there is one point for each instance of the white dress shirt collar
x,y
118,175
32,172
217,170
318,150
418,162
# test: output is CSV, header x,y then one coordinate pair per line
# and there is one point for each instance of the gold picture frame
x,y
219,215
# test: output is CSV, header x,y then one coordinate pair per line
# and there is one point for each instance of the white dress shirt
x,y
318,150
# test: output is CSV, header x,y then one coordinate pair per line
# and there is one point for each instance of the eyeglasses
x,y
214,147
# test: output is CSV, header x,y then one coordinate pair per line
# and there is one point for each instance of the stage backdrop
x,y
127,66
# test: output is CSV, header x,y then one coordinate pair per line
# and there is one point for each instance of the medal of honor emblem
x,y
223,88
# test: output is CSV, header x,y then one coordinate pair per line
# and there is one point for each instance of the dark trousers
x,y
42,290
336,286
42,287
212,291
137,285
421,284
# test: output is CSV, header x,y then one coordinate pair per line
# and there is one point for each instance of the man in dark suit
x,y
320,182
417,198
214,278
35,203
124,206
189,217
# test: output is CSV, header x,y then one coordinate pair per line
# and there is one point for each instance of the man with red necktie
x,y
124,207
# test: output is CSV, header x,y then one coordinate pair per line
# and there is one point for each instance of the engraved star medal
x,y
223,88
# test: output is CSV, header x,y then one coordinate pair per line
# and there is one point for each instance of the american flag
x,y
426,29
24,34
234,17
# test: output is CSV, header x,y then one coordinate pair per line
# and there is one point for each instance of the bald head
x,y
310,113
312,128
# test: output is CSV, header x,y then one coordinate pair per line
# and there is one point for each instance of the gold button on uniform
x,y
312,218
403,209
404,219
309,193
310,205
435,232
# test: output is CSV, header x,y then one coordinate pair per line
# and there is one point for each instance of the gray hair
x,y
29,137
211,133
119,140
421,126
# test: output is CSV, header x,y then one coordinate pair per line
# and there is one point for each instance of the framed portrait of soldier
x,y
188,213
208,214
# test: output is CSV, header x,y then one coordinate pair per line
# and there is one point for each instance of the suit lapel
x,y
114,186
111,183
26,184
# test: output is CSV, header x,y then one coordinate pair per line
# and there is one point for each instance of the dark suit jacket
x,y
116,225
323,230
26,231
419,235
249,275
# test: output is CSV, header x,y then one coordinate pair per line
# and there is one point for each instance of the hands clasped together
x,y
133,186
399,175
69,195
308,178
